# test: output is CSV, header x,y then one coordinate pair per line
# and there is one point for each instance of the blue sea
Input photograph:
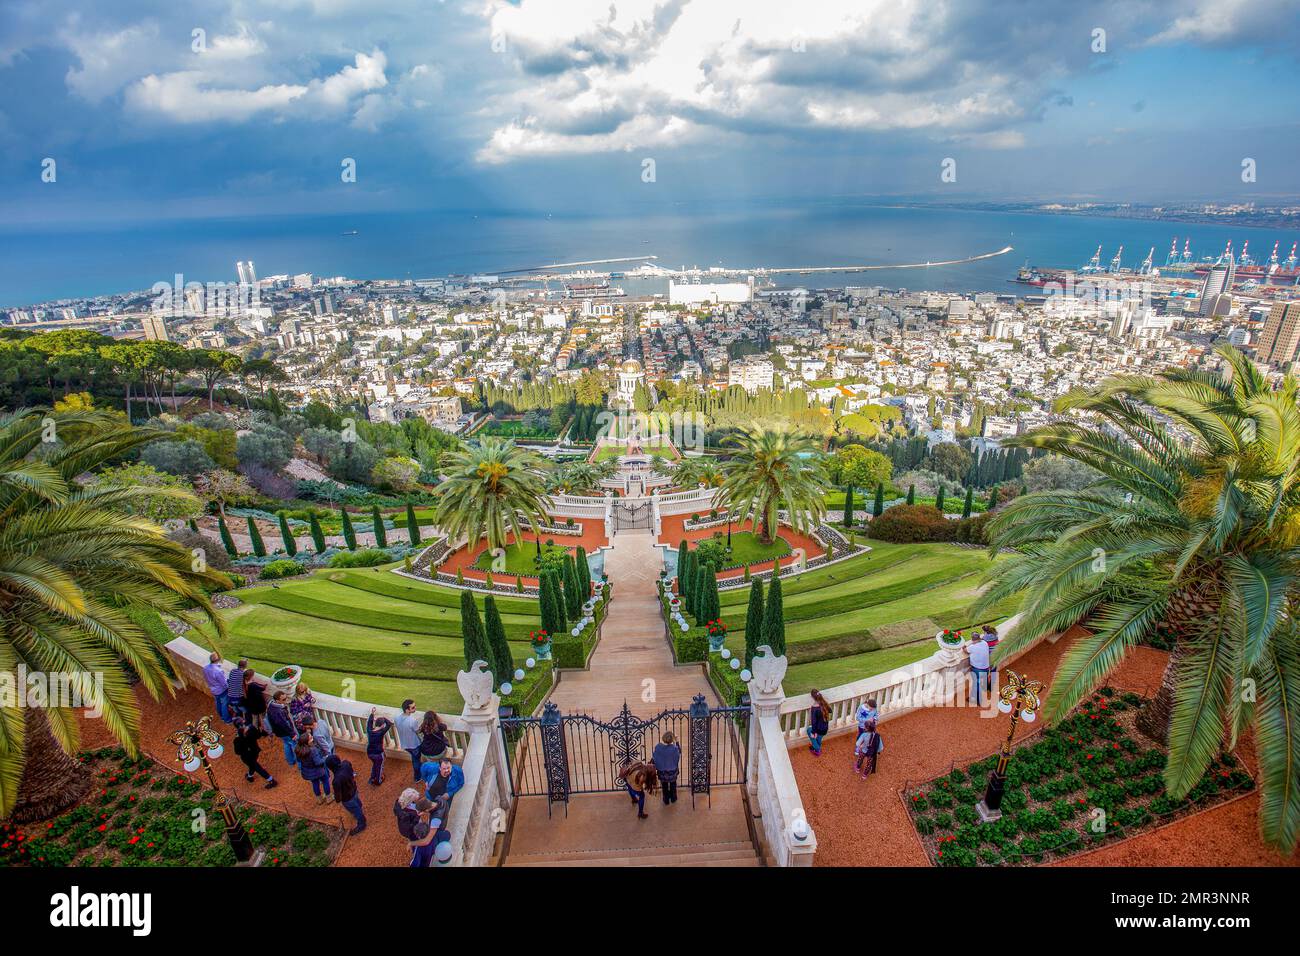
x,y
43,264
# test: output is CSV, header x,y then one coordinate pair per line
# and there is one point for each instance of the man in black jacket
x,y
667,759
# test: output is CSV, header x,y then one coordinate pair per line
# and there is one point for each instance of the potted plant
x,y
717,635
286,679
541,644
950,643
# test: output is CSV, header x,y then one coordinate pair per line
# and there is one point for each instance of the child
x,y
866,713
247,749
376,729
868,746
818,722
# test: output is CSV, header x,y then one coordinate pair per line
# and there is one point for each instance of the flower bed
x,y
140,813
1090,781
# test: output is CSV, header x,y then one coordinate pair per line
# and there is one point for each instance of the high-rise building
x,y
247,275
1218,282
1279,343
155,330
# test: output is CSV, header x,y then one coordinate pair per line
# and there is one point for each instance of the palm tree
x,y
581,476
494,488
701,470
1193,530
79,568
775,468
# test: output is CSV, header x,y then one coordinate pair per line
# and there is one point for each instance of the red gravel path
x,y
863,822
379,845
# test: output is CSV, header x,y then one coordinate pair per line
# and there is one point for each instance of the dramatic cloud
x,y
188,97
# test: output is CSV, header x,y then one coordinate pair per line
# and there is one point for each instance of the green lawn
x,y
747,549
521,557
617,451
872,612
367,632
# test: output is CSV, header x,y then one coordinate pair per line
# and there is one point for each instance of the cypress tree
x,y
194,526
938,499
584,572
713,603
754,620
412,526
552,604
993,498
848,507
503,665
911,494
317,535
471,629
572,603
686,578
286,535
226,540
774,619
381,535
970,497
255,538
349,536
879,507
698,588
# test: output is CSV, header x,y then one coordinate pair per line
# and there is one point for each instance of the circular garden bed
x,y
1090,781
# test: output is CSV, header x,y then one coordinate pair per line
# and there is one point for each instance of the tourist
x,y
311,764
302,705
216,679
433,737
376,730
248,750
866,712
991,636
255,700
320,732
639,778
819,721
667,758
422,831
978,651
235,688
442,781
281,723
408,734
867,747
345,790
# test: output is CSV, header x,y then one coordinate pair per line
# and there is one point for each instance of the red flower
x,y
103,827
133,840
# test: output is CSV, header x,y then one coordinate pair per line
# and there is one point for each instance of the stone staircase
x,y
737,853
603,830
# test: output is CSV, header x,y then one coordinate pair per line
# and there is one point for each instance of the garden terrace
x,y
745,544
392,636
870,613
471,562
926,744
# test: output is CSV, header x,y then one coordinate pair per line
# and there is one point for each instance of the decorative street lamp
x,y
1020,697
194,745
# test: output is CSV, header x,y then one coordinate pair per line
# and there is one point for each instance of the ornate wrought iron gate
x,y
556,756
629,516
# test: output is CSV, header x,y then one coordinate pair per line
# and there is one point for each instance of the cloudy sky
x,y
153,108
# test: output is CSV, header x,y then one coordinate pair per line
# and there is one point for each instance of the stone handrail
x,y
346,718
936,681
770,780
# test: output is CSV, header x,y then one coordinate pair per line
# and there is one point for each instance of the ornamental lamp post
x,y
194,746
1020,697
